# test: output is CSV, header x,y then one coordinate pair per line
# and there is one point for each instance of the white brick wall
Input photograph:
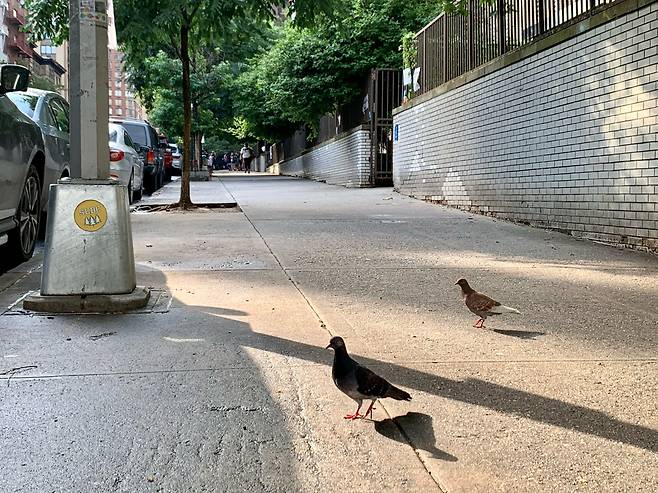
x,y
344,160
566,139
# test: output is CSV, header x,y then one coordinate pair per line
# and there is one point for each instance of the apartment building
x,y
122,100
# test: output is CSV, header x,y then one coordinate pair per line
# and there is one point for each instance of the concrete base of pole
x,y
89,247
92,303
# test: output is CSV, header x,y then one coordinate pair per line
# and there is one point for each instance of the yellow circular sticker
x,y
90,215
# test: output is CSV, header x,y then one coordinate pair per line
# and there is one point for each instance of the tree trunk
x,y
185,201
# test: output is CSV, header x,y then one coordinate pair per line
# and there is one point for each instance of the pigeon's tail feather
x,y
398,394
506,309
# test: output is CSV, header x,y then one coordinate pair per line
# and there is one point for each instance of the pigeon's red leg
x,y
369,410
479,323
356,415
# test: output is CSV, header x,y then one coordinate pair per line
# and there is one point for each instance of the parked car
x,y
51,112
22,169
126,165
176,160
168,158
142,133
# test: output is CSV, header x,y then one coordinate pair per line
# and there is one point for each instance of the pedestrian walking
x,y
246,155
210,164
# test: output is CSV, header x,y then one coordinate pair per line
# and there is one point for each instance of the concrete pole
x,y
88,78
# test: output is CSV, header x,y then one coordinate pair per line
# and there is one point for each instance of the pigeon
x,y
358,382
482,305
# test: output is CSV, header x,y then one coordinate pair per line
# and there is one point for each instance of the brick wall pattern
x,y
565,139
344,160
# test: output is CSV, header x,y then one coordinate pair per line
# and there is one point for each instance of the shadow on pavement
x,y
421,428
476,392
519,334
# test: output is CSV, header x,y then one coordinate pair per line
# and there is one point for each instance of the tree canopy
x,y
308,72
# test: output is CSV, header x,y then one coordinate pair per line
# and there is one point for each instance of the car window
x,y
47,115
61,113
127,140
154,137
24,102
137,133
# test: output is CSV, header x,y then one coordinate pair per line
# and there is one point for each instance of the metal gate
x,y
384,94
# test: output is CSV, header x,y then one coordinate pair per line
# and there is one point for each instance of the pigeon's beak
x,y
456,283
328,346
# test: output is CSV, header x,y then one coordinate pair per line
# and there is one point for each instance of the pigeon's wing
x,y
478,302
369,384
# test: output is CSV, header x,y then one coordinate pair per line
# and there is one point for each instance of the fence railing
x,y
451,45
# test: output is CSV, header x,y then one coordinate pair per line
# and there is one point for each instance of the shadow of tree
x,y
423,433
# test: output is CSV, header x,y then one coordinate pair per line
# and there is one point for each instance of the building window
x,y
48,51
117,92
119,111
110,111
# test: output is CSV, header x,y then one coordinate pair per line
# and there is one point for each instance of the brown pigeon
x,y
482,305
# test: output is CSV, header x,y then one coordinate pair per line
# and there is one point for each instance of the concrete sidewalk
x,y
203,194
227,387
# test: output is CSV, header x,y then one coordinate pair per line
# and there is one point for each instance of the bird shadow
x,y
416,429
519,334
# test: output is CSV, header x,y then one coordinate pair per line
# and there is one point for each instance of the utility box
x,y
89,229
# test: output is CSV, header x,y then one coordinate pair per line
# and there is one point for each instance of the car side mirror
x,y
144,149
137,147
13,78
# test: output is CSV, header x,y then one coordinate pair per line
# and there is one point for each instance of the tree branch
x,y
175,45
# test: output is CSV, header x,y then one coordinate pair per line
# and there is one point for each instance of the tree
x,y
183,26
157,80
309,72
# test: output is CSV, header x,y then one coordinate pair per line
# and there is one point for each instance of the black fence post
x,y
471,47
423,70
501,27
542,17
445,48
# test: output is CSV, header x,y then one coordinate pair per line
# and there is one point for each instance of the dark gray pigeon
x,y
358,382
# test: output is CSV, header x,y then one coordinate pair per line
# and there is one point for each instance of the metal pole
x,y
542,17
501,27
89,89
471,47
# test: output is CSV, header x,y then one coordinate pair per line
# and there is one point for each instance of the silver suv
x,y
22,166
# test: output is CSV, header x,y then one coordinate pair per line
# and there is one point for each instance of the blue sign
x,y
396,132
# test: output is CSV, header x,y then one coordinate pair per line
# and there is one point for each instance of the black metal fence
x,y
385,94
451,45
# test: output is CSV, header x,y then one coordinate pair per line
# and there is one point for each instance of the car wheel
x,y
23,238
149,184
